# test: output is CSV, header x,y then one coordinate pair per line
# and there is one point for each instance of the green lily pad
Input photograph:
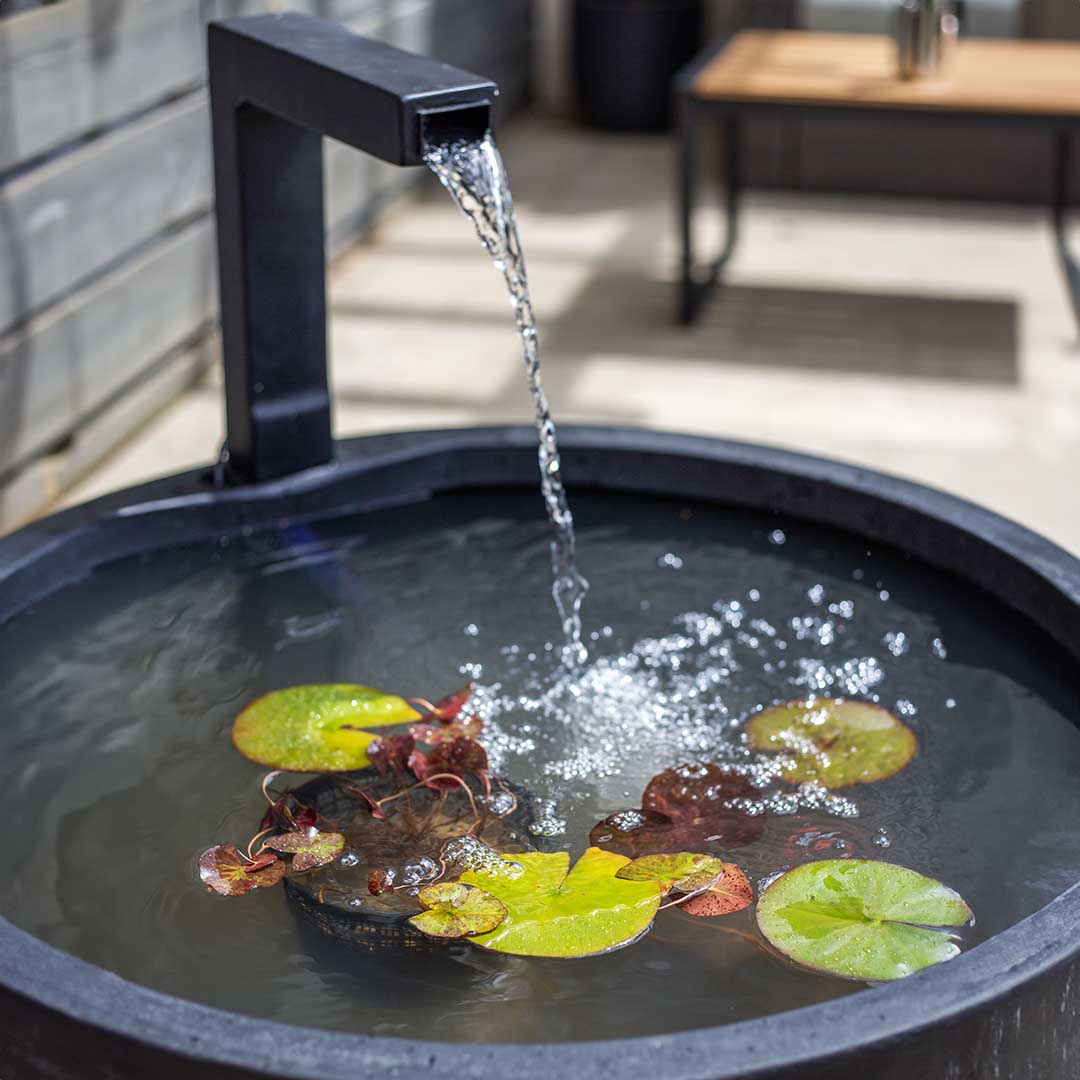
x,y
861,919
555,911
225,871
309,847
833,741
317,728
456,910
685,872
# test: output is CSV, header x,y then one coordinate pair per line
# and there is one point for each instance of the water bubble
x,y
881,839
897,642
671,561
937,647
471,630
422,869
777,537
472,854
906,708
950,703
350,858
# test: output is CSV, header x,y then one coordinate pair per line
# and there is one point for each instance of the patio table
x,y
801,73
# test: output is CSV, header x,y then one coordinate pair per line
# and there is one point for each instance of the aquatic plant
x,y
413,825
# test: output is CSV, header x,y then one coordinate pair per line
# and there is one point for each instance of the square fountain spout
x,y
278,84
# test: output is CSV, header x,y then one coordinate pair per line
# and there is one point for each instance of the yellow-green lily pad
x,y
861,919
317,728
834,741
685,872
455,910
555,911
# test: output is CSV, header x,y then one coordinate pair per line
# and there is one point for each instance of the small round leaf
x,y
309,847
730,892
224,871
685,872
456,910
861,919
834,741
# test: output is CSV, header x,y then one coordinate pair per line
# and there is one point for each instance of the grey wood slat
x,y
65,222
67,363
70,69
326,9
34,488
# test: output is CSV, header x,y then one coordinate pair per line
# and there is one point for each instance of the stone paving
x,y
933,340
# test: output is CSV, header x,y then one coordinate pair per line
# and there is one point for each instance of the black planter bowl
x,y
626,53
1008,1007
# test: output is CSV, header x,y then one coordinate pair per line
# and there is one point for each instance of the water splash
x,y
473,172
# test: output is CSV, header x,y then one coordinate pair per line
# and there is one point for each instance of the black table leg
x,y
1060,211
696,285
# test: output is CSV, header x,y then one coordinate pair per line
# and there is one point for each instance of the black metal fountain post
x,y
278,83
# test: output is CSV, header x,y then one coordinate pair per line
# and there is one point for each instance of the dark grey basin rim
x,y
1003,558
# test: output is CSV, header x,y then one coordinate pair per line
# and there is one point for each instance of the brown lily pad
x,y
225,871
730,892
685,808
309,847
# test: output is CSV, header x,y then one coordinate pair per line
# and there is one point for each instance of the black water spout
x,y
278,84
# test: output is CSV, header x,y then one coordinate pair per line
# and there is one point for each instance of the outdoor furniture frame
x,y
789,73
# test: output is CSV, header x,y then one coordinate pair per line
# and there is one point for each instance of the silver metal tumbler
x,y
925,32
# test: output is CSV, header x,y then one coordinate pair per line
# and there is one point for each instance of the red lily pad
x,y
730,892
288,813
309,847
448,709
224,871
684,809
391,753
458,757
818,837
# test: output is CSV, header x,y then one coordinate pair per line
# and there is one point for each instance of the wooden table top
x,y
793,67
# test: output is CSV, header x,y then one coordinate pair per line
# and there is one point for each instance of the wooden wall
x,y
107,291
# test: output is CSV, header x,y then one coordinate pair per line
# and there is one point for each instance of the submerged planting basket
x,y
1008,1007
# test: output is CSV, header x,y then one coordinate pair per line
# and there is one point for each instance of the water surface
x,y
119,695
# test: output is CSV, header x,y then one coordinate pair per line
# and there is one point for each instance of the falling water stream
x,y
472,171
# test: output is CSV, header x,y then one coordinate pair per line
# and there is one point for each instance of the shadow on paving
x,y
628,316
